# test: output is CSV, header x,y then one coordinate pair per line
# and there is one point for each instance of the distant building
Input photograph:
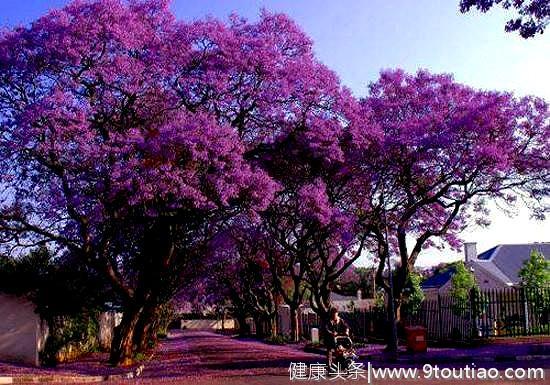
x,y
346,303
495,268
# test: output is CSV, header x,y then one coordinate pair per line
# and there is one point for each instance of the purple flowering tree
x,y
131,139
312,228
105,152
443,151
290,111
240,273
129,136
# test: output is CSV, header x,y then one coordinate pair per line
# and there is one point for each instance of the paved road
x,y
204,358
207,354
201,357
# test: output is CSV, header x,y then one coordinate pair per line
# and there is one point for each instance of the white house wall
x,y
21,331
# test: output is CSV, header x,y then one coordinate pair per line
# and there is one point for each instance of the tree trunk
x,y
394,317
146,328
397,308
273,325
243,327
392,343
258,321
322,305
122,348
294,325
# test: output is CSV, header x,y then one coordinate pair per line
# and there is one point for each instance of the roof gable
x,y
487,254
509,259
488,267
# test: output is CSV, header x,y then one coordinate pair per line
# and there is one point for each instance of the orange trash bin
x,y
416,339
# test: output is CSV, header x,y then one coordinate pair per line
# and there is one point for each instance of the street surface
x,y
204,358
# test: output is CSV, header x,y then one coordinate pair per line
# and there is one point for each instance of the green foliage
x,y
27,274
462,284
69,337
278,339
55,284
288,288
413,294
535,273
535,279
162,335
379,300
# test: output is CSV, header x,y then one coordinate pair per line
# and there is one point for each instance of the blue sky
x,y
359,38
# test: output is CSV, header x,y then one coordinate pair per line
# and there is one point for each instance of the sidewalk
x,y
88,369
509,350
506,351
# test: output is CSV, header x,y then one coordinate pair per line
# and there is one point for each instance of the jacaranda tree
x,y
309,221
443,151
131,140
127,135
240,272
104,151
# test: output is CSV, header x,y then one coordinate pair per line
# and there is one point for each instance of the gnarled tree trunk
x,y
146,328
122,347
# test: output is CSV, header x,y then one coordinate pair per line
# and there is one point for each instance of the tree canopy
x,y
532,15
150,149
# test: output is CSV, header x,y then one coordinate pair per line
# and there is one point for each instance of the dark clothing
x,y
332,328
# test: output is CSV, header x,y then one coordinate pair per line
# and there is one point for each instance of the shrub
x,y
70,337
278,339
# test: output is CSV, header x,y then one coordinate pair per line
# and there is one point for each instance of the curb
x,y
25,379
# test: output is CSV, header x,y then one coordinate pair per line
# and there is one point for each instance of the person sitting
x,y
336,326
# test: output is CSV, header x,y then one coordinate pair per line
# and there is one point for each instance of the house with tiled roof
x,y
496,268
